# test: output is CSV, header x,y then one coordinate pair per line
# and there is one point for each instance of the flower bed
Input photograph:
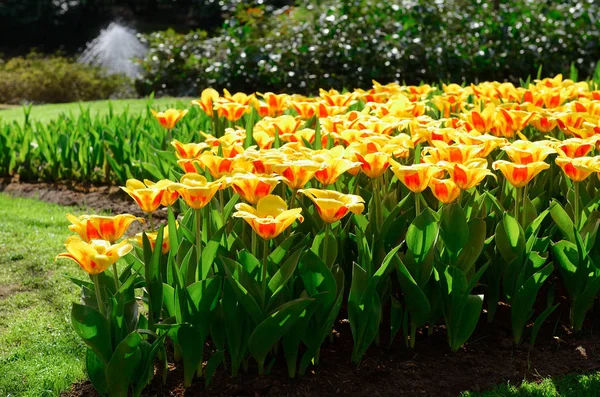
x,y
412,207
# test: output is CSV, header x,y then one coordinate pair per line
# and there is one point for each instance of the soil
x,y
431,369
85,196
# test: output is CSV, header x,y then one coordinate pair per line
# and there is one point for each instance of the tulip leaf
x,y
209,253
474,246
211,366
275,325
454,229
188,337
421,235
96,370
93,328
522,303
123,365
282,276
245,287
562,221
539,321
416,301
318,246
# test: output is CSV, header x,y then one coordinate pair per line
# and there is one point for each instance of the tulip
x,y
208,97
305,110
148,198
271,216
297,173
232,111
95,257
166,246
276,103
525,152
238,97
575,147
579,168
333,165
468,175
96,227
543,123
374,162
188,150
196,190
333,206
415,177
252,187
217,165
519,175
169,117
445,190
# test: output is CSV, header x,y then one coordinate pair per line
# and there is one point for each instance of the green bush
x,y
55,79
349,43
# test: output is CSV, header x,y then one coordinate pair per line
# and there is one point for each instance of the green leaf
x,y
211,366
416,301
454,229
268,332
539,321
282,276
93,328
209,253
472,250
96,370
245,287
188,337
562,221
421,235
123,365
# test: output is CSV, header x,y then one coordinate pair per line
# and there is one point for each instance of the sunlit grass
x,y
46,113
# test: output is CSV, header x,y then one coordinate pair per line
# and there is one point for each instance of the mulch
x,y
431,369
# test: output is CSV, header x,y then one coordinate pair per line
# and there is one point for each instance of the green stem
x,y
517,202
96,281
417,204
413,336
263,278
326,244
151,221
199,237
254,246
524,209
116,276
576,204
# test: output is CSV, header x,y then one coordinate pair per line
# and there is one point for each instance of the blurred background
x,y
72,50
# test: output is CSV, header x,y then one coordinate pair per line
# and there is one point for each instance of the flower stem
x,y
417,204
326,244
524,209
576,204
263,278
96,281
517,202
199,237
116,276
151,221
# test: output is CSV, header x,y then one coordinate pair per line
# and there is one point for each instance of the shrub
x,y
349,43
55,78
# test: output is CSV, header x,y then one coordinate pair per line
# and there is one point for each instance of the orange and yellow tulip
x,y
415,177
166,246
253,187
196,190
270,217
169,117
96,256
276,103
468,175
96,227
188,150
525,152
232,111
445,190
579,168
207,99
148,198
519,175
297,173
333,206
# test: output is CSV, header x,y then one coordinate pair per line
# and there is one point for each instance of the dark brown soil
x,y
99,198
431,369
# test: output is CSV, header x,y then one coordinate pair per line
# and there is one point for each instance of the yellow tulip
x,y
208,97
96,256
169,117
253,187
188,150
166,246
232,111
333,206
297,173
270,217
276,103
374,162
169,196
519,175
525,152
467,175
579,168
96,227
196,190
415,177
445,190
148,198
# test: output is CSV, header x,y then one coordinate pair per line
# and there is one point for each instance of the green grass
x,y
40,354
46,113
565,386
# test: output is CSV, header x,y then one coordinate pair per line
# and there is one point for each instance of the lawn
x,y
40,355
46,113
